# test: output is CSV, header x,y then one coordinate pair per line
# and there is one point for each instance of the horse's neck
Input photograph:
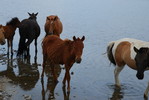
x,y
13,28
33,20
71,49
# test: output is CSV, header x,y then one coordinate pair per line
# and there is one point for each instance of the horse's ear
x,y
74,38
48,18
36,14
83,38
56,17
135,49
29,13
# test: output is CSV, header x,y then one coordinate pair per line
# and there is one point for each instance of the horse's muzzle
x,y
78,60
140,76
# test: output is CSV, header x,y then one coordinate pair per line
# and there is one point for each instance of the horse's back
x,y
29,26
51,41
124,53
51,46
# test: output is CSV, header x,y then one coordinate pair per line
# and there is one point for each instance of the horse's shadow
x,y
27,75
51,82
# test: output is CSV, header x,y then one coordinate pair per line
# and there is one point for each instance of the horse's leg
x,y
8,45
28,49
64,80
43,90
146,91
116,74
54,74
11,45
28,44
21,46
43,65
35,49
67,77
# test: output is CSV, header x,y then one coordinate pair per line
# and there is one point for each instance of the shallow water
x,y
100,21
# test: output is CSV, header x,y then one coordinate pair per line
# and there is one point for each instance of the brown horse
x,y
2,37
53,25
131,52
58,51
10,32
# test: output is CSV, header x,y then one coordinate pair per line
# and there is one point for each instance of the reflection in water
x,y
66,95
52,81
27,76
28,73
117,94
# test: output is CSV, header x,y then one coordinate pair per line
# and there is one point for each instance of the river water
x,y
100,21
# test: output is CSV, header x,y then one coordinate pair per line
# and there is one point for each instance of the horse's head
x,y
78,48
2,37
142,61
15,22
51,20
33,16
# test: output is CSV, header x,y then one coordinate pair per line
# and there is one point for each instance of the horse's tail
x,y
109,52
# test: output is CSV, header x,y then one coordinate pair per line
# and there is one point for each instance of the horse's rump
x,y
110,54
29,28
53,47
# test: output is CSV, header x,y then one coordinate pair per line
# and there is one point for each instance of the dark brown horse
x,y
10,32
29,30
58,51
53,25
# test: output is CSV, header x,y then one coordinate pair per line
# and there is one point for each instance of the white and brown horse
x,y
131,52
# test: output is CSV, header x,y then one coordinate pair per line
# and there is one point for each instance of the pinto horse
x,y
29,30
53,25
58,51
134,53
2,37
10,32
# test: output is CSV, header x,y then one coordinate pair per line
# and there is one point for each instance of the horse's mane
x,y
13,21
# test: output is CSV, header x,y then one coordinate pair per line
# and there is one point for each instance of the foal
x,y
58,51
10,32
